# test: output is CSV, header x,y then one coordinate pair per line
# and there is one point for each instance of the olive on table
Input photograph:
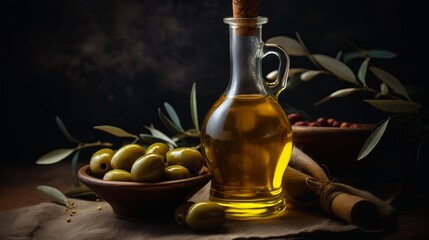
x,y
148,168
205,215
175,172
187,157
181,212
159,148
100,162
118,175
126,156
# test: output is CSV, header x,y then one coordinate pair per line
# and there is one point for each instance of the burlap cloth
x,y
48,221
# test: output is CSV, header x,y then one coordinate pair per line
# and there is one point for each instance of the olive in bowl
x,y
145,201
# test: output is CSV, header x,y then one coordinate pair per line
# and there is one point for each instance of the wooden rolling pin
x,y
305,182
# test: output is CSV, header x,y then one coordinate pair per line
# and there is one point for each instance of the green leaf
x,y
390,80
194,109
307,52
395,105
56,195
373,139
292,72
168,123
339,93
336,67
310,74
173,115
65,131
384,89
158,134
292,46
381,54
73,168
362,70
147,138
339,55
115,131
347,57
55,156
272,75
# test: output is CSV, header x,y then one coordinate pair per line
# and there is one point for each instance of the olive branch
x,y
391,96
170,120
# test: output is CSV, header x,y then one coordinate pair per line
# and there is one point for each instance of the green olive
x,y
126,156
118,175
181,212
159,148
205,216
100,162
148,168
175,172
187,157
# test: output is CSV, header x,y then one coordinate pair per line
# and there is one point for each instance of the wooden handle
x,y
356,210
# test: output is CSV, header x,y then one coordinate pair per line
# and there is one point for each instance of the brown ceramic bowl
x,y
335,147
149,202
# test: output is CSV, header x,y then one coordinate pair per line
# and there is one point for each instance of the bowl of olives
x,y
145,184
333,143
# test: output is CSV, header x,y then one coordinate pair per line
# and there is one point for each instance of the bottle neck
x,y
245,60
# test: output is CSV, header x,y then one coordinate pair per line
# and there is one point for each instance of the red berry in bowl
x,y
295,117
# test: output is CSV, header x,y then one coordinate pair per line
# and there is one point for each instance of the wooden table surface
x,y
18,189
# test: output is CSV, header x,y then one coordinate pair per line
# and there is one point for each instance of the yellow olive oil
x,y
247,144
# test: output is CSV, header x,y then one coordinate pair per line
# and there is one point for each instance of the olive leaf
x,y
147,138
173,115
56,195
73,169
307,52
194,110
336,67
65,131
347,57
390,80
339,55
362,70
373,139
381,54
292,46
55,156
383,88
292,72
272,75
115,131
168,123
310,74
338,93
394,105
158,134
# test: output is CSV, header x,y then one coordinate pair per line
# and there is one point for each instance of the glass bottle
x,y
246,136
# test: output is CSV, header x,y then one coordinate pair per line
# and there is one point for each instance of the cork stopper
x,y
245,9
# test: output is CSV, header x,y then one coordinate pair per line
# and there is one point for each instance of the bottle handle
x,y
280,83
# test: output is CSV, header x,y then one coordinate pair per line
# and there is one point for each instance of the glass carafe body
x,y
246,137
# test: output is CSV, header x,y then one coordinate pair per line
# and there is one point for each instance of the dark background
x,y
115,62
